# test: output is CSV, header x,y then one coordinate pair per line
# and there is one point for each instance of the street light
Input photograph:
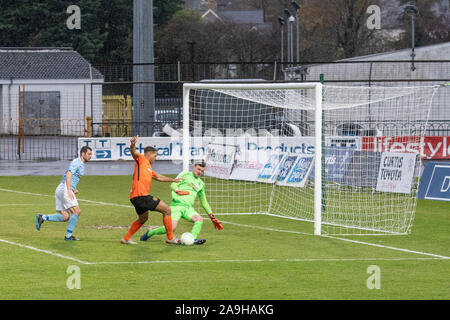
x,y
412,11
297,31
290,20
291,39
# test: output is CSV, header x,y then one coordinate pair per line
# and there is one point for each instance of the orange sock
x,y
135,226
167,220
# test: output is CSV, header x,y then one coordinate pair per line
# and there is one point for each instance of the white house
x,y
49,91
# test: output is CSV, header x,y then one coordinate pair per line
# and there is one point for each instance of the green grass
x,y
255,257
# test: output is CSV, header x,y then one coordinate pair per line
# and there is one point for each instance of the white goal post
x,y
291,113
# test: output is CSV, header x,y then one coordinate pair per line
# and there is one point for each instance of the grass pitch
x,y
255,257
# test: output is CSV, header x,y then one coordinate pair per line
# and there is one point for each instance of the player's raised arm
x,y
161,178
175,186
133,151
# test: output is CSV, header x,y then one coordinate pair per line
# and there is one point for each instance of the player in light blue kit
x,y
66,202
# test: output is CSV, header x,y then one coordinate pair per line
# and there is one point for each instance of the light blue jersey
x,y
77,169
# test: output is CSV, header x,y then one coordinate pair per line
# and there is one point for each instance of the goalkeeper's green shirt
x,y
195,186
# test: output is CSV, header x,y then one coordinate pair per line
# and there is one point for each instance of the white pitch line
x,y
388,247
261,260
264,228
43,251
24,204
213,261
89,201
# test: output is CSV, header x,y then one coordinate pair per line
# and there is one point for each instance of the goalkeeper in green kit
x,y
184,194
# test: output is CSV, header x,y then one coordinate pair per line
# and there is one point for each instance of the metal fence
x,y
28,131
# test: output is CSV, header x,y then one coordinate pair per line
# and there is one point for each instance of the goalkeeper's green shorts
x,y
184,212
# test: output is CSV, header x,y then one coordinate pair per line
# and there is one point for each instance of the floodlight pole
x,y
297,31
291,39
289,35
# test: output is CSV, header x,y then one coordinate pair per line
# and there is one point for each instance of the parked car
x,y
171,117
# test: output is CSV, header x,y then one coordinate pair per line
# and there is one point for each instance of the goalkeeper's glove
x,y
181,193
216,222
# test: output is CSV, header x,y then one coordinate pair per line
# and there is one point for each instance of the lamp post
x,y
297,31
291,39
289,35
412,11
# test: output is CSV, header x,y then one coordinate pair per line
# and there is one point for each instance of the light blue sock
x,y
58,217
72,224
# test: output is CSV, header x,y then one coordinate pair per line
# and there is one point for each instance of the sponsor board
x,y
285,167
250,150
435,182
337,160
396,172
219,160
119,148
271,168
258,149
299,173
428,147
246,170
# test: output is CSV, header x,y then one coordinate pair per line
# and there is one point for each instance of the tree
x,y
106,26
165,9
336,29
172,41
219,41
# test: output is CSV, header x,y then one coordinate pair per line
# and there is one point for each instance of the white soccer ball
x,y
187,239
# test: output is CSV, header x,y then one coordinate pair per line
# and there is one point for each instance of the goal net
x,y
345,158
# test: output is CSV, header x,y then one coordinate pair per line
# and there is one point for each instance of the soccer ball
x,y
187,239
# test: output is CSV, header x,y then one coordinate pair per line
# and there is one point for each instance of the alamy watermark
x,y
74,280
74,20
374,281
374,20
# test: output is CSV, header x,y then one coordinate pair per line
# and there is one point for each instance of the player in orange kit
x,y
140,193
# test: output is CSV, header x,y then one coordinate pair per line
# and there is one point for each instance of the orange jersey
x,y
142,177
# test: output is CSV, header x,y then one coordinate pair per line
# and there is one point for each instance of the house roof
x,y
437,51
44,63
254,18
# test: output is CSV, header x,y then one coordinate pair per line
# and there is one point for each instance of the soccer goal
x,y
346,159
